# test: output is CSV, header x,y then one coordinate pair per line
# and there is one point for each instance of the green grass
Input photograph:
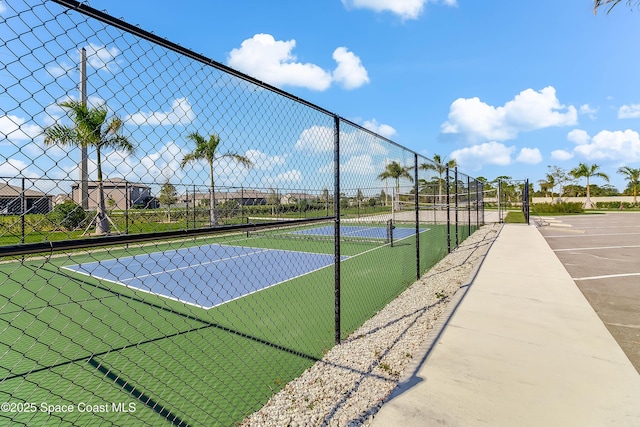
x,y
515,217
68,338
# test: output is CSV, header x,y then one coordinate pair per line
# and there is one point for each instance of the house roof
x,y
7,190
112,182
246,194
300,195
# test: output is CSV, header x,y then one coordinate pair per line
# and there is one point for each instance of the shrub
x,y
68,215
614,205
563,207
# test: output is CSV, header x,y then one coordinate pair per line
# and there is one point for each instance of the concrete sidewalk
x,y
522,348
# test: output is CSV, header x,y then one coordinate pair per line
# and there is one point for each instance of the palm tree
x,y
633,176
599,3
396,171
587,171
548,184
440,165
206,150
91,129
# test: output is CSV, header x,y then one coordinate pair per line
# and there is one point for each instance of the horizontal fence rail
x,y
179,240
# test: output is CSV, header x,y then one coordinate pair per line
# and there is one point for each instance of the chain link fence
x,y
507,194
179,240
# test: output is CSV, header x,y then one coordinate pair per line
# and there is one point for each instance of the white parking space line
x,y
596,248
590,235
610,276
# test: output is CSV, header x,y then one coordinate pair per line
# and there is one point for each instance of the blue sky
x,y
504,87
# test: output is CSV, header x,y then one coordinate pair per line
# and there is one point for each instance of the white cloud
x,y
561,155
152,167
629,111
14,167
379,128
293,175
349,73
530,156
3,8
623,146
474,157
578,136
360,164
60,70
180,113
16,128
529,110
272,61
263,161
316,139
320,140
406,9
102,58
586,109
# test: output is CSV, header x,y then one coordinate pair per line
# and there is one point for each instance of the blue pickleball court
x,y
365,232
208,275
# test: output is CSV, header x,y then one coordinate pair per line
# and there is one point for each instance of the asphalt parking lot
x,y
601,252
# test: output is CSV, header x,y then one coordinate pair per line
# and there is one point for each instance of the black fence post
x,y
468,205
525,200
482,193
186,212
23,212
455,187
126,207
436,204
417,209
336,226
448,204
478,185
499,197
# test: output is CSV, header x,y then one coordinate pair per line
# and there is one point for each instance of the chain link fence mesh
x,y
178,240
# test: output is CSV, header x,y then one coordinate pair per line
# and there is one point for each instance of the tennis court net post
x,y
389,228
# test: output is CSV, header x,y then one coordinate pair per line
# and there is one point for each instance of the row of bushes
x,y
615,205
563,207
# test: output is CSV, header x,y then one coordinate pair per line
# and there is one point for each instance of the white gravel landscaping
x,y
349,385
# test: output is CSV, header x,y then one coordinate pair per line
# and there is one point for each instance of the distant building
x,y
294,198
60,198
243,197
118,194
11,201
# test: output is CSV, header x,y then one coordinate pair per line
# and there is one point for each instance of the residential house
x,y
118,194
14,202
294,198
244,197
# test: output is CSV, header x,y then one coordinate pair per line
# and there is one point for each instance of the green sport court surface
x,y
69,337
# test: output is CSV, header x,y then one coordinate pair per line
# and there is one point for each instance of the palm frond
x,y
59,134
243,160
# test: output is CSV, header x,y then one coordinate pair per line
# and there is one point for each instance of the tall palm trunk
x,y
212,201
587,203
102,222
